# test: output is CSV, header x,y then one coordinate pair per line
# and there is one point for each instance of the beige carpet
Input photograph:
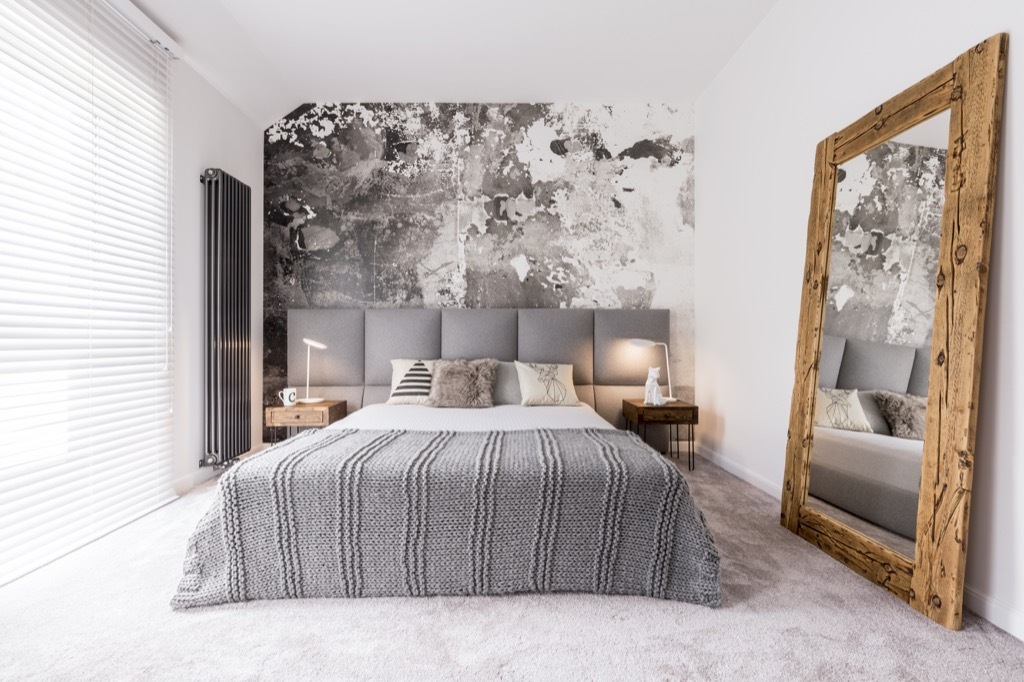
x,y
789,612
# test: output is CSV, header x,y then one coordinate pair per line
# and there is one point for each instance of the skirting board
x,y
997,612
773,488
183,484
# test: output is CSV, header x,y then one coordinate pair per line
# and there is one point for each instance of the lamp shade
x,y
643,343
315,344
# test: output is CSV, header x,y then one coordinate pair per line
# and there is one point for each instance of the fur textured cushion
x,y
463,383
904,413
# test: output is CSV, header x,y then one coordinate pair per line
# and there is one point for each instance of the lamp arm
x,y
308,350
668,371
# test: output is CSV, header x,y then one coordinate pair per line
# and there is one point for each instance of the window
x,y
85,278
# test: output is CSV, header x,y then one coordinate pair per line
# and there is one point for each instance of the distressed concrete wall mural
x,y
479,205
885,244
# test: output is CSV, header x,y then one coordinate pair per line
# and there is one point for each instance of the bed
x,y
408,500
874,476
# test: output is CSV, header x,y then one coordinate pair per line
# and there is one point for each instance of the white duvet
x,y
501,418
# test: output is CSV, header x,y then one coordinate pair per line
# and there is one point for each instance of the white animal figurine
x,y
652,391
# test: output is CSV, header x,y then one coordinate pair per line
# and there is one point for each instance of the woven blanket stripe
x,y
350,562
666,527
614,500
483,511
550,460
415,488
232,525
284,499
304,444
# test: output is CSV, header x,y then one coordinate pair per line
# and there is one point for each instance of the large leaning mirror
x,y
869,413
881,436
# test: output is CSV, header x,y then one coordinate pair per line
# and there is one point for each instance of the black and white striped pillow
x,y
410,381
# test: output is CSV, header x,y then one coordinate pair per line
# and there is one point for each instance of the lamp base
x,y
310,401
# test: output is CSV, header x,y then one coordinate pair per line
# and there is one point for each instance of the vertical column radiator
x,y
227,402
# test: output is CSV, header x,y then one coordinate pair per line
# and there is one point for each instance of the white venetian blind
x,y
85,278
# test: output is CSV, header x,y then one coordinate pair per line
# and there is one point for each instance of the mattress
x,y
500,418
873,476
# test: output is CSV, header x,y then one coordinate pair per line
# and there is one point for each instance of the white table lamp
x,y
647,343
310,345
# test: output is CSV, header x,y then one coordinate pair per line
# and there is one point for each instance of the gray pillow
x,y
919,374
874,415
463,383
904,413
871,366
832,348
506,385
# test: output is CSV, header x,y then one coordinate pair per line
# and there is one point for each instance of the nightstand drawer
x,y
675,415
283,416
302,416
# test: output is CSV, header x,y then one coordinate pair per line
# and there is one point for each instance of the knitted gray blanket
x,y
361,513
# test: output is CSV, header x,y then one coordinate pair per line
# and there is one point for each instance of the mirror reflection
x,y
873,372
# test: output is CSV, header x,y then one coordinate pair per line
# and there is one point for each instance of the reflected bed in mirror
x,y
880,301
880,448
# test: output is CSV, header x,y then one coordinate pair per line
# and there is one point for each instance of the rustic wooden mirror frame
x,y
971,87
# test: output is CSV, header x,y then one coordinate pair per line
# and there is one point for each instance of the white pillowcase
x,y
411,381
840,409
546,384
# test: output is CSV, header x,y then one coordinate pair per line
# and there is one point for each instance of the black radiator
x,y
227,388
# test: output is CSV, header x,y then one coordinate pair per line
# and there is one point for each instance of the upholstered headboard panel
x,y
361,344
870,366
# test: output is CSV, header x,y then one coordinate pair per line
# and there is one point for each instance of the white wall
x,y
209,132
811,68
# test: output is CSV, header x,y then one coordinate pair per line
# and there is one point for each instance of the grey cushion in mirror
x,y
904,412
565,337
832,348
919,374
506,385
616,361
342,363
870,406
479,334
871,366
392,334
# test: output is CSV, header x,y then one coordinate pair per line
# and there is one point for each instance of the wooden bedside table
x,y
299,415
672,414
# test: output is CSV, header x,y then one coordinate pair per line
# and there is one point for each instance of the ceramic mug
x,y
287,396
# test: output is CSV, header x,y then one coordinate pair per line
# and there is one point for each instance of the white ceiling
x,y
269,56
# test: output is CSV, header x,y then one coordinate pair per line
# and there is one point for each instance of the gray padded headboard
x,y
361,344
871,366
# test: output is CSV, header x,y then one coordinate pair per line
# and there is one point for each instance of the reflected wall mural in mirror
x,y
881,437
